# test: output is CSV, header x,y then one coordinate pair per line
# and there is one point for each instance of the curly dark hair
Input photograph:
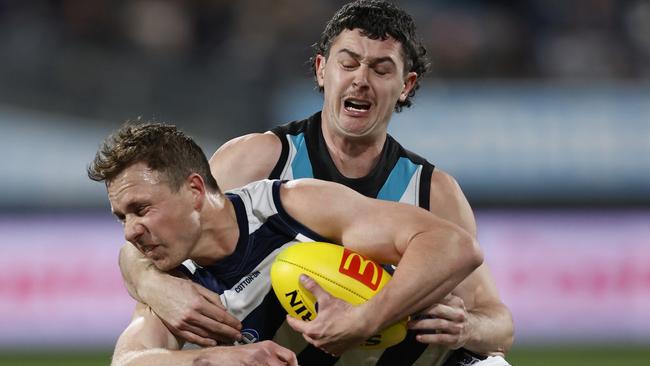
x,y
163,147
378,19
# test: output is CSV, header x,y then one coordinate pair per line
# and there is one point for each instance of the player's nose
x,y
133,231
361,76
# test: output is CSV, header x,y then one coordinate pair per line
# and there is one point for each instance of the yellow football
x,y
341,272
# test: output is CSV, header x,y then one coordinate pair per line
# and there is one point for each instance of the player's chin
x,y
164,264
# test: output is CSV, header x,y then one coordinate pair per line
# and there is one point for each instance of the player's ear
x,y
319,66
196,187
409,84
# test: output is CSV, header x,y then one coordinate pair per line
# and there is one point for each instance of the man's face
x,y
362,80
162,224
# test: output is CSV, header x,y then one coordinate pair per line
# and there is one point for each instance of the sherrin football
x,y
341,272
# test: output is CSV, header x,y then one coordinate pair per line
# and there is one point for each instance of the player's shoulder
x,y
443,182
254,142
448,201
245,159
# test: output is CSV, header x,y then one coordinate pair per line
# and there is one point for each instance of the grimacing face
x,y
362,80
162,224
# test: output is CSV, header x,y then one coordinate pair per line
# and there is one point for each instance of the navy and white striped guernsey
x,y
242,279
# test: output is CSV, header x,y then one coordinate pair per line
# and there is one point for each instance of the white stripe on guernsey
x,y
303,239
190,265
258,201
412,193
242,303
287,172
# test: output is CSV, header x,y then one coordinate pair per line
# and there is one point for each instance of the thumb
x,y
312,286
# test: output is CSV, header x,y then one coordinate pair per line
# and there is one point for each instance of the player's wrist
x,y
369,323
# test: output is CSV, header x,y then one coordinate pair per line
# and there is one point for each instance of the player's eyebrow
x,y
371,60
130,207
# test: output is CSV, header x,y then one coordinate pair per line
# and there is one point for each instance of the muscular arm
x,y
190,310
245,159
434,255
147,342
486,325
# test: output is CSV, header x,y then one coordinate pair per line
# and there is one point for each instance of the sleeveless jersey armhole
x,y
279,165
425,187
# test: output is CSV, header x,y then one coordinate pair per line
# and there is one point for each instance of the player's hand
x,y
445,323
192,312
338,325
266,353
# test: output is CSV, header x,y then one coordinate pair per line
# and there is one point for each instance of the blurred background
x,y
540,109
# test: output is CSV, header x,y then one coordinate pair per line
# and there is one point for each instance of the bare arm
x,y
245,159
188,309
473,316
147,342
434,255
191,311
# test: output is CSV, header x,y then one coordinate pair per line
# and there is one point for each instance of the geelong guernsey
x,y
242,279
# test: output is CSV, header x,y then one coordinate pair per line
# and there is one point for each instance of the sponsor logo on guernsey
x,y
361,269
249,336
246,281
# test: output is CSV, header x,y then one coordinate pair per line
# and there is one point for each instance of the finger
x,y
454,301
312,286
424,324
198,331
214,329
218,318
287,356
298,325
446,312
437,326
215,309
187,327
440,339
193,338
312,341
211,296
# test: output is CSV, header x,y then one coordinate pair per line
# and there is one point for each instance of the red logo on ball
x,y
361,269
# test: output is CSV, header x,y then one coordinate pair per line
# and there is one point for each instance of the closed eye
x,y
349,65
381,72
141,210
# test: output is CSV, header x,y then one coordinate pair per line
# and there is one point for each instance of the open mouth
x,y
356,105
148,248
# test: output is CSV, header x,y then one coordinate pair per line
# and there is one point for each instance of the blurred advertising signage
x,y
535,142
60,283
566,275
575,276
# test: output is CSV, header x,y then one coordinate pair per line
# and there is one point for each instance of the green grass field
x,y
520,356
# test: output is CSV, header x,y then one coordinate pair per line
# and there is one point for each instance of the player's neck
x,y
219,230
354,157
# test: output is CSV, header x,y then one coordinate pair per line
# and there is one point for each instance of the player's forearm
x,y
158,357
431,266
135,267
491,330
